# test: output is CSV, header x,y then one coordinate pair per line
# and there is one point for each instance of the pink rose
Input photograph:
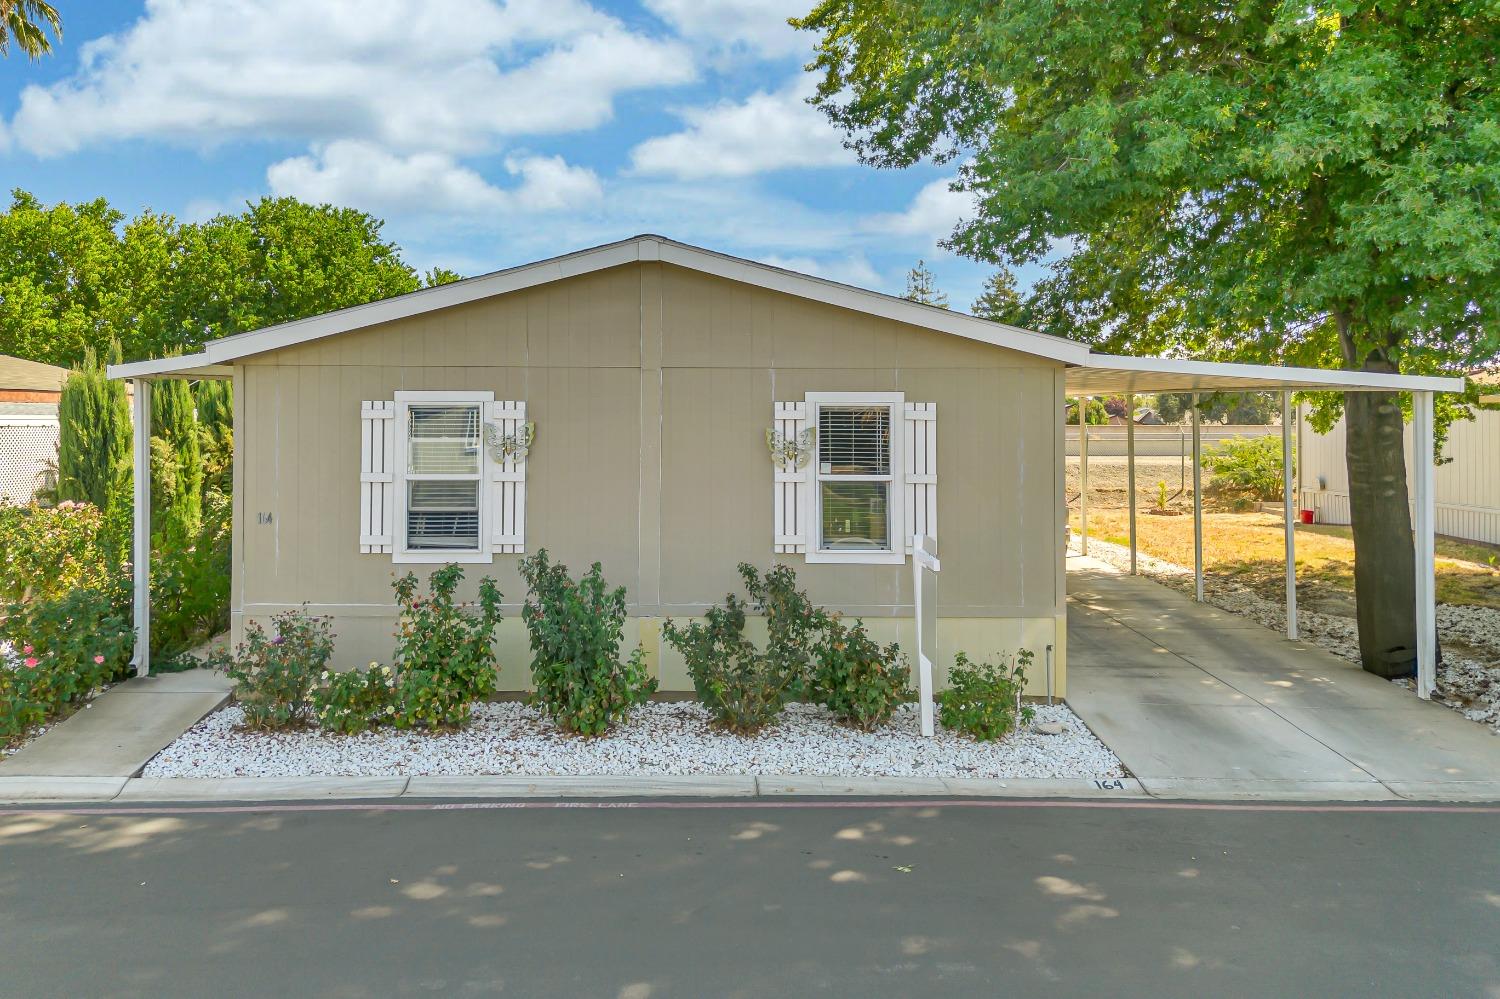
x,y
26,649
31,662
98,660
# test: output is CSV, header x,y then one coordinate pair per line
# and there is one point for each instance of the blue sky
x,y
486,132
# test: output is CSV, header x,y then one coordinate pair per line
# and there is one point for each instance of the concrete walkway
x,y
119,731
1194,698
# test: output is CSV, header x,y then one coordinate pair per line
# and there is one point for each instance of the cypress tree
x,y
174,423
93,433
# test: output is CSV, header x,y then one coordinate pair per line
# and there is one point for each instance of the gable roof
x,y
30,376
637,248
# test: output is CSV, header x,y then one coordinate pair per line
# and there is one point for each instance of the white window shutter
x,y
377,480
792,486
508,482
919,456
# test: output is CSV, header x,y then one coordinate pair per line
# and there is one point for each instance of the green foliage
x,y
93,431
75,276
445,657
355,700
61,648
999,301
743,690
983,700
861,683
174,423
45,552
921,286
793,624
274,674
1161,494
576,629
1098,416
27,23
190,582
1247,465
1251,409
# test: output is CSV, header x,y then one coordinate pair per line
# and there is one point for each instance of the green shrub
x,y
274,674
445,656
1250,466
861,683
743,690
793,624
62,648
190,583
576,630
356,700
93,440
46,552
174,422
983,700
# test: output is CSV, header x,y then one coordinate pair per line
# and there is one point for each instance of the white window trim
x,y
894,402
399,552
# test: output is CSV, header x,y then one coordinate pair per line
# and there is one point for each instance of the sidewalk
x,y
119,731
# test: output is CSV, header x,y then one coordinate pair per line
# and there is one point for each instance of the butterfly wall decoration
x,y
794,451
513,446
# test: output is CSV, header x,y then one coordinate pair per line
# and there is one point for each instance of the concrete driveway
x,y
1195,698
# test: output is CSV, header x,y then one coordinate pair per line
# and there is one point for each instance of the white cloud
x,y
371,178
933,214
854,269
766,131
414,76
758,26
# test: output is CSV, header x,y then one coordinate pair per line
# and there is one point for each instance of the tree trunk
x,y
1385,592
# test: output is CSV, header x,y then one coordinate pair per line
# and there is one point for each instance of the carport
x,y
1106,374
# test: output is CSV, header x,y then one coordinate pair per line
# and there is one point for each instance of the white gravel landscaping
x,y
509,738
1468,686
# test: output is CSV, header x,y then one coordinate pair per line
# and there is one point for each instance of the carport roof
x,y
1113,374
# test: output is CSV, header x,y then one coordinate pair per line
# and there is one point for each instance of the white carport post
x,y
1422,431
1083,475
140,553
1130,468
1197,503
1288,508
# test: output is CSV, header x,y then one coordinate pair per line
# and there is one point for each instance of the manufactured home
x,y
669,412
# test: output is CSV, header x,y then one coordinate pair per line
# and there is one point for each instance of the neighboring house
x,y
29,393
691,411
1466,486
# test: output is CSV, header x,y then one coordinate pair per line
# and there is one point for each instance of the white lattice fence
x,y
28,446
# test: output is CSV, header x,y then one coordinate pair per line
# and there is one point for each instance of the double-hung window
x,y
856,490
443,468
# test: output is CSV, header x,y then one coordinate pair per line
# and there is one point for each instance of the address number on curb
x,y
1110,785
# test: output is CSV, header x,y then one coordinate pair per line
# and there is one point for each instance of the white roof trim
x,y
599,258
1113,373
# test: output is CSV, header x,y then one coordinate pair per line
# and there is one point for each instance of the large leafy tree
x,y
25,23
75,276
1312,182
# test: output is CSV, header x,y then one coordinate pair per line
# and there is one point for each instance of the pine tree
x,y
214,399
175,425
921,286
93,432
999,301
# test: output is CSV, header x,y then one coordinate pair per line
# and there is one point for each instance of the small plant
x,y
793,624
274,674
356,700
861,683
576,629
1161,495
983,700
742,689
445,657
1247,466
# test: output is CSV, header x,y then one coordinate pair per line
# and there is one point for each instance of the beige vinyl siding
x,y
651,388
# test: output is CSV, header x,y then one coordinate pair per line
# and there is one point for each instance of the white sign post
x,y
924,567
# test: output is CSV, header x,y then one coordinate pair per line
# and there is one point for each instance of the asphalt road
x,y
1009,898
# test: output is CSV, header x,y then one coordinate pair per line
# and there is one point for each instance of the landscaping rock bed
x,y
1467,683
509,738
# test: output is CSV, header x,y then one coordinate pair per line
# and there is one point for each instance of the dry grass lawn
x,y
1249,546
